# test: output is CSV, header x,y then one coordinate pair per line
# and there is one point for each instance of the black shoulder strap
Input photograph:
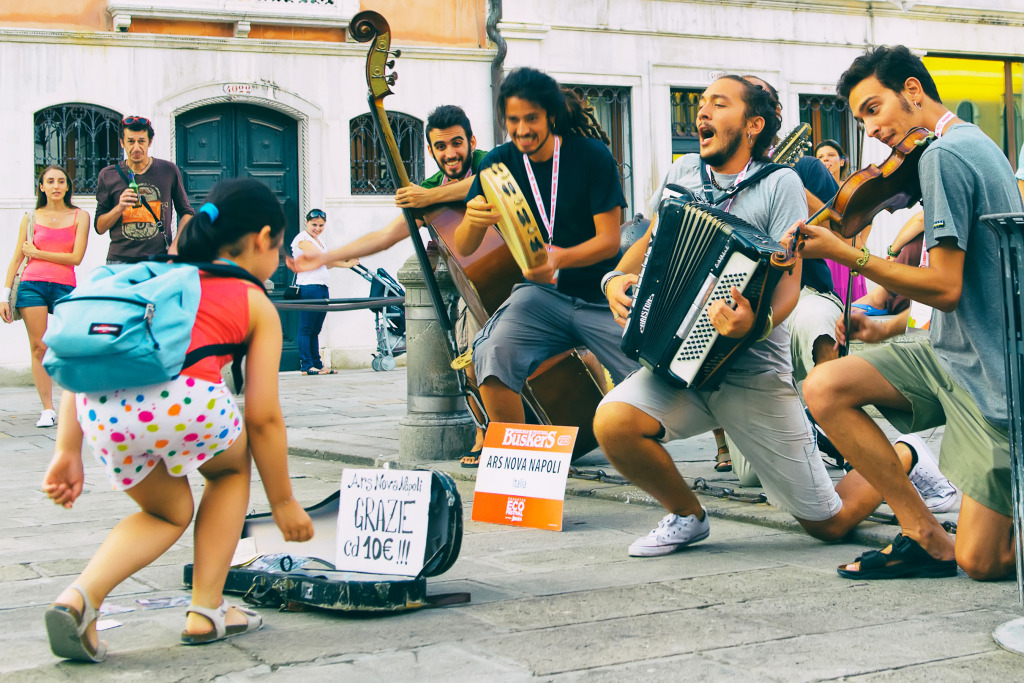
x,y
758,175
237,351
142,200
221,269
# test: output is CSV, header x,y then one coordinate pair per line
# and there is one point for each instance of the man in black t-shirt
x,y
134,198
571,184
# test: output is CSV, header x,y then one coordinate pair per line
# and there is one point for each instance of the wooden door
x,y
246,141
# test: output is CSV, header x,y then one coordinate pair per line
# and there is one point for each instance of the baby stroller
x,y
389,321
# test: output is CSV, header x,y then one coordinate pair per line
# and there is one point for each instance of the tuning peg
x,y
391,64
396,53
392,78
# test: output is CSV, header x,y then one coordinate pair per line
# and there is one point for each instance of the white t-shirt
x,y
319,276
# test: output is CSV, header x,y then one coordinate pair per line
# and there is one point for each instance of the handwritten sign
x,y
521,480
382,521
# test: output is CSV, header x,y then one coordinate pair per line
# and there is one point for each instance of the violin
x,y
892,185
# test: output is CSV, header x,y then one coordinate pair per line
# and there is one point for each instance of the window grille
x,y
684,104
612,109
83,138
370,174
830,119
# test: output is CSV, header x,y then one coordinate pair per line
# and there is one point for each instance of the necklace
x,y
143,171
715,182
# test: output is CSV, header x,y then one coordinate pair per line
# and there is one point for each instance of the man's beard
x,y
723,155
463,168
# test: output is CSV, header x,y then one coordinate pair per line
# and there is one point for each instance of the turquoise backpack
x,y
131,326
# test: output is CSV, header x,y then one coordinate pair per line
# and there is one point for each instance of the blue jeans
x,y
310,324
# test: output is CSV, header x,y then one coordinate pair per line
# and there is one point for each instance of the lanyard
x,y
940,127
549,224
708,192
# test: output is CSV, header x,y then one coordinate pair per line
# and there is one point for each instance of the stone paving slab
x,y
758,600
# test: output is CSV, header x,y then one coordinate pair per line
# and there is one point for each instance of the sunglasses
x,y
133,120
316,213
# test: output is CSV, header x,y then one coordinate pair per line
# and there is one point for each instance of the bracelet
x,y
862,261
769,326
608,278
892,253
282,502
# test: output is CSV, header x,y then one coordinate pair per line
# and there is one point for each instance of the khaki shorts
x,y
975,454
815,316
466,327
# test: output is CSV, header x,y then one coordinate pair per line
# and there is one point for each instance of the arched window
x,y
370,173
80,137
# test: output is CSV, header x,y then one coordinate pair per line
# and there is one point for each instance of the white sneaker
x,y
937,491
673,532
47,418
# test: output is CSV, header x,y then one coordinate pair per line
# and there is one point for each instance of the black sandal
x,y
471,459
906,560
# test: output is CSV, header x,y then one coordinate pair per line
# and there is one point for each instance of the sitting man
x,y
757,403
452,146
959,378
571,184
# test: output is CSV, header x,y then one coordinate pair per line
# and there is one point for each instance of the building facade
x,y
276,89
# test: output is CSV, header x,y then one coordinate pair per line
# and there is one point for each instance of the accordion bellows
x,y
695,256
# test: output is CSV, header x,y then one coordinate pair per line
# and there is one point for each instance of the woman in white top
x,y
313,285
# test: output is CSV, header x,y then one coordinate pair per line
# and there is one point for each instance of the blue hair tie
x,y
210,210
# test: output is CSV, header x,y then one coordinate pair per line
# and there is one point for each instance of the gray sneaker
x,y
673,532
937,491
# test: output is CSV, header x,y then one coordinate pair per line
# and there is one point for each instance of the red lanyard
x,y
445,179
549,224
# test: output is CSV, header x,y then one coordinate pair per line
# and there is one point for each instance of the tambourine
x,y
517,226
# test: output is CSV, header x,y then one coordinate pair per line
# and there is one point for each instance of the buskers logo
x,y
514,509
105,328
529,438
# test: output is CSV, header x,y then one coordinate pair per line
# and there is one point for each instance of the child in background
x,y
149,438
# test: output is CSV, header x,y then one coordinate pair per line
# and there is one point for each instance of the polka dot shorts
x,y
184,422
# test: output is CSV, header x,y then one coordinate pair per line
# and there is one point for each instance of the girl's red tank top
x,y
222,318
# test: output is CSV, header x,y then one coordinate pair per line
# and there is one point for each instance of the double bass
x,y
562,391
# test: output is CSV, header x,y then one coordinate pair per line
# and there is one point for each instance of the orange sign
x,y
521,480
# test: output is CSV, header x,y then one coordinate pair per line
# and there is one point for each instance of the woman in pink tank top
x,y
60,232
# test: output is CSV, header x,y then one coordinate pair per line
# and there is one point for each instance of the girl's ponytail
x,y
233,209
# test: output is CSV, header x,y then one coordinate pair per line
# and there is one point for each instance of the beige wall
x,y
456,23
63,14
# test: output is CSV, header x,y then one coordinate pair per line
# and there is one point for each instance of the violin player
x,y
453,148
959,378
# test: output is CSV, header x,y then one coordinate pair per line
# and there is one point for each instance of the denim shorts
x,y
40,293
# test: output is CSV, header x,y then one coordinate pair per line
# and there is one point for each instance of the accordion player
x,y
696,255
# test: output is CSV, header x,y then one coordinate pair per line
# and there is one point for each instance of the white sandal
x,y
217,617
66,627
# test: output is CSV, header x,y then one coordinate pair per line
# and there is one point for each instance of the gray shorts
x,y
762,414
538,322
815,315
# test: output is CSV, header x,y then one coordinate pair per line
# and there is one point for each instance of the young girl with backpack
x,y
147,439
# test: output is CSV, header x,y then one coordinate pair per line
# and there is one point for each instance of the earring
x,y
917,104
750,140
